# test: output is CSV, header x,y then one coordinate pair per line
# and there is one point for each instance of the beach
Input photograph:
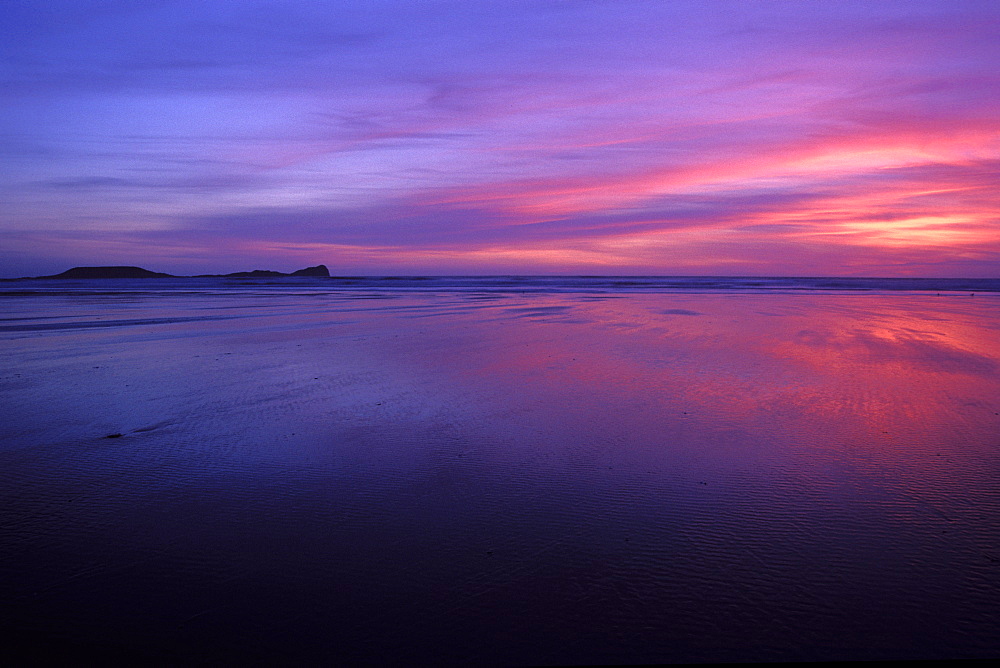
x,y
286,472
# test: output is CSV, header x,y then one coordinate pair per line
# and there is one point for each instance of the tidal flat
x,y
281,474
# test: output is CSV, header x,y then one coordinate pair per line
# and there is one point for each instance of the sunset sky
x,y
532,137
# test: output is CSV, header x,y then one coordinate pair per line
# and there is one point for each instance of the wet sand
x,y
501,478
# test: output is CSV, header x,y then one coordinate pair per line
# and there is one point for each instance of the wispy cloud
x,y
850,137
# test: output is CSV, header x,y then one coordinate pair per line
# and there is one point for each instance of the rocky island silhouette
x,y
319,271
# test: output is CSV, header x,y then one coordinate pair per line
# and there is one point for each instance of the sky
x,y
509,137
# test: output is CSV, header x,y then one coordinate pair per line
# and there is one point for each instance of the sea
x,y
499,470
510,284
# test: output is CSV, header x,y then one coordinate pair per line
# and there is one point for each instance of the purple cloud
x,y
731,136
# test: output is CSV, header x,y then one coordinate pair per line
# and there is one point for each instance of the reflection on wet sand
x,y
532,478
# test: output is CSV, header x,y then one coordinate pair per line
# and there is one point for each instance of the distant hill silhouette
x,y
319,270
108,272
256,273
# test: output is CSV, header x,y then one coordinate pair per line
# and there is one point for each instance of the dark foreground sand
x,y
500,479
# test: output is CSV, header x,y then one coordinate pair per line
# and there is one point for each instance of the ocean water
x,y
511,284
500,470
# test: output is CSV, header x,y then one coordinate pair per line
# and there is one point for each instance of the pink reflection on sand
x,y
781,375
